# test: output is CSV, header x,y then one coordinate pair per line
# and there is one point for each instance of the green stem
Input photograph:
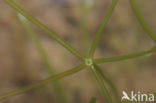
x,y
93,100
42,82
85,35
44,28
37,44
125,57
101,84
142,21
109,82
102,27
59,89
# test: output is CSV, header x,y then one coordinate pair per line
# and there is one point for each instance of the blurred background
x,y
21,64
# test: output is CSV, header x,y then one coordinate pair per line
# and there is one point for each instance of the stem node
x,y
89,62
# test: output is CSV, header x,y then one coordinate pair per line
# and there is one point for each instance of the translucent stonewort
x,y
89,61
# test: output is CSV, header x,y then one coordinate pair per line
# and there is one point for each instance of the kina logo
x,y
138,97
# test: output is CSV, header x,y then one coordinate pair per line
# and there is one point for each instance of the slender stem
x,y
125,57
42,82
102,27
37,43
44,28
101,84
109,82
141,20
59,89
93,100
84,34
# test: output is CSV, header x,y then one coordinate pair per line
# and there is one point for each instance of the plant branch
x,y
36,42
101,84
52,34
142,21
109,82
125,57
102,27
84,31
42,82
59,89
93,100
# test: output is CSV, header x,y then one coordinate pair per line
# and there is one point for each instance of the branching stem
x,y
44,28
142,21
101,84
102,27
125,57
42,82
